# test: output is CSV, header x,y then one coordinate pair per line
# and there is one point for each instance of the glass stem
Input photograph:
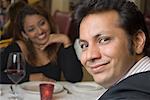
x,y
15,90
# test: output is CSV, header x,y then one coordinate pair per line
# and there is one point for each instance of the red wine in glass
x,y
16,69
15,75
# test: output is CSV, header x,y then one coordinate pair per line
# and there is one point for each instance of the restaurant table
x,y
68,93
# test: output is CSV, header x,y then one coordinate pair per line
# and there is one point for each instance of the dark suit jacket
x,y
135,87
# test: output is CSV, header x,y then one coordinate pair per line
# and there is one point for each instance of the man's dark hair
x,y
131,18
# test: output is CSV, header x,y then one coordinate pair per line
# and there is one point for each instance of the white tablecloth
x,y
75,95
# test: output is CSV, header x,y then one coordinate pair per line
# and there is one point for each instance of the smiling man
x,y
115,47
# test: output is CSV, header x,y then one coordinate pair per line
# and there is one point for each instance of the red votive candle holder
x,y
46,91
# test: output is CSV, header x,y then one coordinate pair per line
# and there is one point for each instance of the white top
x,y
142,65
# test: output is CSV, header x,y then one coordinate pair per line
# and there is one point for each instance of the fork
x,y
68,91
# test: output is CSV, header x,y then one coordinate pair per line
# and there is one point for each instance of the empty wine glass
x,y
15,70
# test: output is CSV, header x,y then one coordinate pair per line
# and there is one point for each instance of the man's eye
x,y
83,46
104,40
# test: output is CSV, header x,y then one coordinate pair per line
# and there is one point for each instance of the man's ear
x,y
139,42
24,35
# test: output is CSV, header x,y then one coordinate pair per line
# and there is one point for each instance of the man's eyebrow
x,y
97,35
81,40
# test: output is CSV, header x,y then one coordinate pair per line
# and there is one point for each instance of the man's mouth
x,y
99,66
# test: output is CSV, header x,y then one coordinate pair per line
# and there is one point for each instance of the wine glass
x,y
15,70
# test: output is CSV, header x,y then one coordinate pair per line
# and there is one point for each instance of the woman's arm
x,y
70,65
58,38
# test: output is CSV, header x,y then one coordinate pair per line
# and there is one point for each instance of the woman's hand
x,y
58,38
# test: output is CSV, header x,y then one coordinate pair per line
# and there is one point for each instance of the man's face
x,y
105,48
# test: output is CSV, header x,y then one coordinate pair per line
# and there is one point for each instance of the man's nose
x,y
93,52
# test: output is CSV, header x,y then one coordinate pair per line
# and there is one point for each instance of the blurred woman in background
x,y
47,52
12,14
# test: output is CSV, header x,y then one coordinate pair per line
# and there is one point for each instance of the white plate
x,y
87,87
33,86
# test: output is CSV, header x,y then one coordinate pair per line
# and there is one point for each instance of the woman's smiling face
x,y
37,29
